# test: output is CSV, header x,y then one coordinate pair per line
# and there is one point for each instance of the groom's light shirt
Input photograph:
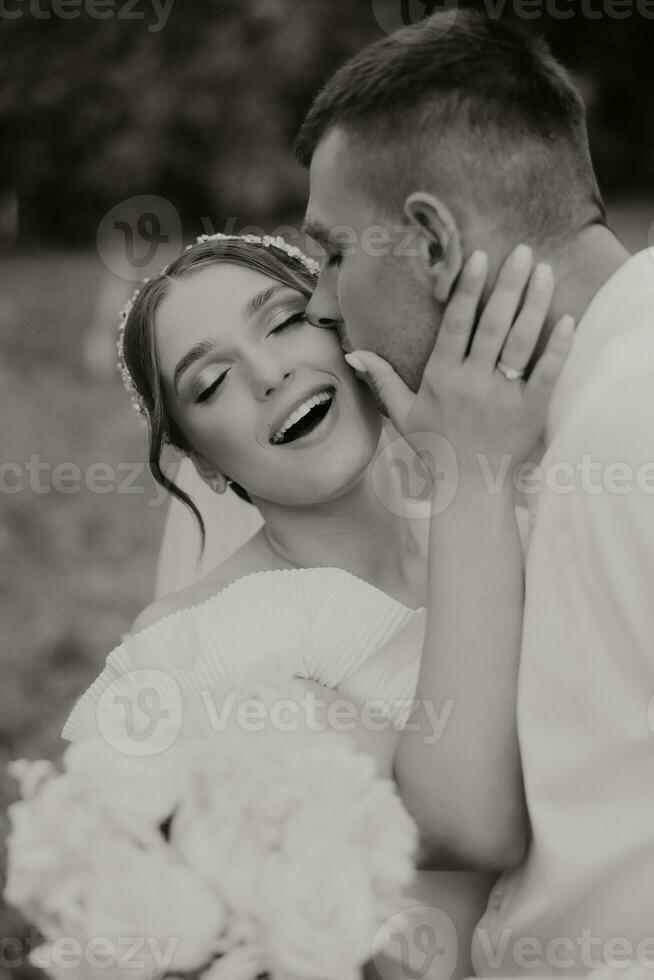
x,y
585,893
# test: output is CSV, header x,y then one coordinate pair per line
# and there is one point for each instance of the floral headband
x,y
268,241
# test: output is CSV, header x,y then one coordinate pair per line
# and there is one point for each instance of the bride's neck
x,y
355,532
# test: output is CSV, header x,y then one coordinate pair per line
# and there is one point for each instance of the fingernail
x,y
356,363
543,274
477,263
521,258
566,327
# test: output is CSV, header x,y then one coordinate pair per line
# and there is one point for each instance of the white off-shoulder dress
x,y
332,627
324,624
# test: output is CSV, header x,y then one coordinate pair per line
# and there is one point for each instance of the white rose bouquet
x,y
228,856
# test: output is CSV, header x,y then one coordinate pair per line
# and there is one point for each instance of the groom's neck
x,y
581,267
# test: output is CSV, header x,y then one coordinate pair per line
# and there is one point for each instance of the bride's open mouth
x,y
311,419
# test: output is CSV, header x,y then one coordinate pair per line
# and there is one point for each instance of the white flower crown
x,y
268,241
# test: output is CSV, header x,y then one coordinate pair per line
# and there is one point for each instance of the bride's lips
x,y
321,431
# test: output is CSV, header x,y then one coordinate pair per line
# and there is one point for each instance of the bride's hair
x,y
140,345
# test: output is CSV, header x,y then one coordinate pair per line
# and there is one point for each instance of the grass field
x,y
75,567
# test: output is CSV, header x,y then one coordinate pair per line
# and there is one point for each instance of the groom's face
x,y
367,290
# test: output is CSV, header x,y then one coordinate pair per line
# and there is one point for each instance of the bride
x,y
375,600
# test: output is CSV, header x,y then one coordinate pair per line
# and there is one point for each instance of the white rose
x,y
318,909
221,850
76,873
134,790
148,896
51,834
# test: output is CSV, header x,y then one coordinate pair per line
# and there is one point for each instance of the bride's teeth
x,y
300,412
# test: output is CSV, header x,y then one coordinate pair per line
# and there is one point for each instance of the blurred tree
x,y
204,111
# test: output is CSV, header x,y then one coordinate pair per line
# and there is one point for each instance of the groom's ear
x,y
437,257
215,480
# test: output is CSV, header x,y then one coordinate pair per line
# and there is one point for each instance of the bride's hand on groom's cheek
x,y
465,395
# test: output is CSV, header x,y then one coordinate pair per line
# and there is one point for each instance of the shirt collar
x,y
614,306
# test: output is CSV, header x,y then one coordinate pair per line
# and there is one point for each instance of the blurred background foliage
x,y
204,110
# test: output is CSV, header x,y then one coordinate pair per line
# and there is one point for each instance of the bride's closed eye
x,y
206,393
298,317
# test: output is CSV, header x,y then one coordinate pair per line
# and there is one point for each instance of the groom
x,y
469,135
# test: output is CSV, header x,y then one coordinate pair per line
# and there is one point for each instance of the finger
x,y
550,364
519,347
460,314
394,394
501,308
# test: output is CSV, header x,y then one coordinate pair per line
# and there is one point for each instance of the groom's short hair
x,y
468,105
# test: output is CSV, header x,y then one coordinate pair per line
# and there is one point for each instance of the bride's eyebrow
x,y
257,302
195,353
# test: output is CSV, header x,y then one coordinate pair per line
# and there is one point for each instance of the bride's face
x,y
261,395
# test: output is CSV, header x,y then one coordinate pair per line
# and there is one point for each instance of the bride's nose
x,y
269,374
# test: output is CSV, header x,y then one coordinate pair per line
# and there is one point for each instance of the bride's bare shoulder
x,y
252,557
